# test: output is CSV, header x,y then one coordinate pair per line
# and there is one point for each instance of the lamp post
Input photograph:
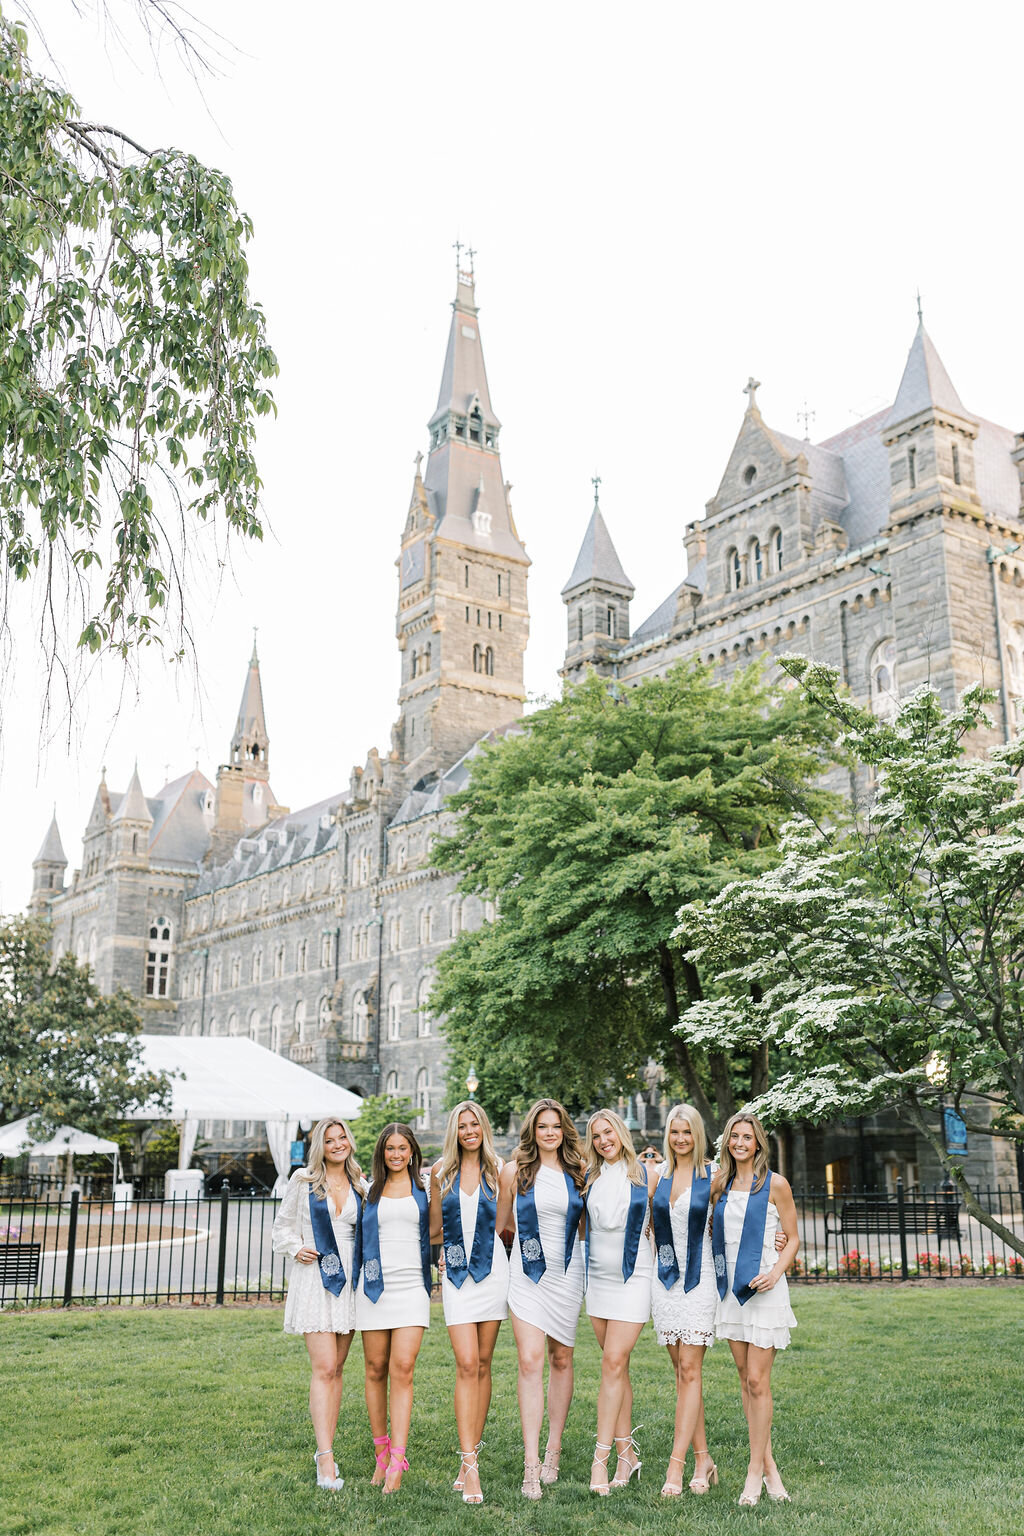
x,y
472,1082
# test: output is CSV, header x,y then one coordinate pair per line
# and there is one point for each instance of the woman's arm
x,y
782,1197
506,1195
287,1234
435,1205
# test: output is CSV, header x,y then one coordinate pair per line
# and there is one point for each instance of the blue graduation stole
x,y
748,1260
482,1256
367,1254
668,1262
635,1217
530,1246
331,1271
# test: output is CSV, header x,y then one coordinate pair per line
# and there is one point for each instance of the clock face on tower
x,y
413,563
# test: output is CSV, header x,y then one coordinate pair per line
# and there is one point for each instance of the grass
x,y
896,1412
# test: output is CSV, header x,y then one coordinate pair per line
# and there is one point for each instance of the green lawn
x,y
896,1412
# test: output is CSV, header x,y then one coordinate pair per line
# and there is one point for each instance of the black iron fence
x,y
209,1250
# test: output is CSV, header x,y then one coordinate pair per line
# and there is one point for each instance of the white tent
x,y
15,1141
222,1077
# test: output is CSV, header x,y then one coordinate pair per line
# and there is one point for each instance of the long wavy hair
x,y
451,1152
316,1163
698,1130
726,1161
570,1153
592,1157
379,1172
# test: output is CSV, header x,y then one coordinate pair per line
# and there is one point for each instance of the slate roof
x,y
52,851
925,383
181,823
132,805
598,560
279,844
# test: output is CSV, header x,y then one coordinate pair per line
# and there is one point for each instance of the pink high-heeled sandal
x,y
396,1463
381,1458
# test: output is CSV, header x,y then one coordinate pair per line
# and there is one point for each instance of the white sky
x,y
664,198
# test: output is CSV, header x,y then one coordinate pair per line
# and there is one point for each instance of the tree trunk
x,y
759,1070
721,1082
680,1049
971,1205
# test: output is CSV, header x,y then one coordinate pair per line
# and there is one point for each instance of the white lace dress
x,y
764,1320
310,1307
682,1317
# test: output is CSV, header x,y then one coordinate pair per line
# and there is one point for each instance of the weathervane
x,y
920,316
595,481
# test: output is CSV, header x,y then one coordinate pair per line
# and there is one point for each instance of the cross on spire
x,y
806,416
751,389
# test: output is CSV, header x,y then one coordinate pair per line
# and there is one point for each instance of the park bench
x,y
880,1214
19,1264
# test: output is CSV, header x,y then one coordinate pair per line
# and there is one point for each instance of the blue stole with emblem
x,y
367,1254
748,1259
668,1262
530,1246
331,1271
482,1256
635,1216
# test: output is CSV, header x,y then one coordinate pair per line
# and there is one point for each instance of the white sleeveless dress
x,y
553,1303
765,1320
310,1307
680,1317
607,1294
476,1301
404,1303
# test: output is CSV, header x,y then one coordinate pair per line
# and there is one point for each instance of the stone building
x,y
315,932
893,552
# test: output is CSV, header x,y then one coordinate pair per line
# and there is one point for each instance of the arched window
x,y
414,662
426,925
93,947
236,970
158,958
279,960
326,950
323,1014
477,658
300,1020
423,1007
734,570
254,1026
232,1023
300,956
455,918
391,1085
609,620
489,661
775,545
1015,674
276,1028
360,1014
882,683
395,935
423,1099
757,560
216,1027
257,964
395,1011
579,624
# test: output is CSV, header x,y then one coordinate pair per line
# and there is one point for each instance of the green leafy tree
x,y
884,954
68,1054
133,363
588,827
378,1110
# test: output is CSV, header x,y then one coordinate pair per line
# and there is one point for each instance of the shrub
x,y
933,1263
857,1263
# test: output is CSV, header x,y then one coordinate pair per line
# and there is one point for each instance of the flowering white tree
x,y
889,944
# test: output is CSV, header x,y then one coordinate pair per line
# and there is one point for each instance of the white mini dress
x,y
682,1317
607,1294
764,1320
476,1301
310,1307
553,1302
404,1302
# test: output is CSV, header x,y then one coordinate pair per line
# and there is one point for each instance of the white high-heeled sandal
x,y
634,1466
333,1483
599,1462
469,1464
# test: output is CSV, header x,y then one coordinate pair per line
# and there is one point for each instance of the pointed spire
x,y
250,743
52,851
133,805
925,385
598,563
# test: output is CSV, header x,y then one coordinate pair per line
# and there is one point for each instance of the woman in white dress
x,y
315,1227
684,1297
393,1292
474,1284
541,1188
619,1264
751,1204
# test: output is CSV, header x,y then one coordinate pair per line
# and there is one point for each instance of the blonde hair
x,y
451,1152
570,1153
698,1131
593,1158
316,1165
726,1161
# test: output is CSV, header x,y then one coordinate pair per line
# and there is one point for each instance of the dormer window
x,y
460,427
490,438
482,522
476,425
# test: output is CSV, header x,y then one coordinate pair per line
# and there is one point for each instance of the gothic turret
x,y
250,745
244,799
132,821
462,615
597,597
929,434
48,868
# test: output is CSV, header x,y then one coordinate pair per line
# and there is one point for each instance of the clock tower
x,y
462,615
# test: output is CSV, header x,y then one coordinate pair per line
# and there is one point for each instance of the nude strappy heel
x,y
669,1489
469,1464
700,1482
531,1480
634,1466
